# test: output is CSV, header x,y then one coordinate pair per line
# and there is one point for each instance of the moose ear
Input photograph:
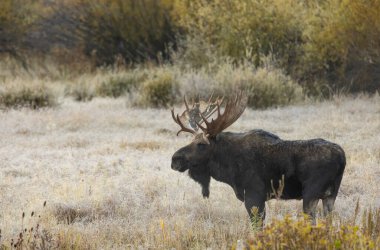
x,y
205,138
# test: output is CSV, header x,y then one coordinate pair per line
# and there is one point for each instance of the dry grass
x,y
154,87
104,171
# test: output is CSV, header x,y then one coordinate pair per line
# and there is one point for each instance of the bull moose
x,y
255,163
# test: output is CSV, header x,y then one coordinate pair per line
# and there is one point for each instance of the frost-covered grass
x,y
104,170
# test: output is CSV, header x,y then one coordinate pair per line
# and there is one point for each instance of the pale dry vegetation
x,y
158,86
104,170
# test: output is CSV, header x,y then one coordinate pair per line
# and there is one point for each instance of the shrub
x,y
120,84
16,17
333,43
246,29
194,53
30,96
106,29
81,92
300,234
161,90
342,44
266,86
271,87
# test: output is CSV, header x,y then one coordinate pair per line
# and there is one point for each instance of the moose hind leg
x,y
328,205
328,201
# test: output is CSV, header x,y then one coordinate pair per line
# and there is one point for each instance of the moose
x,y
256,163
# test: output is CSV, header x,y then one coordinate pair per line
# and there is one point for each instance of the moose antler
x,y
201,108
233,110
196,115
192,116
177,119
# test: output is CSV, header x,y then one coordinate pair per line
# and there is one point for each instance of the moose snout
x,y
178,163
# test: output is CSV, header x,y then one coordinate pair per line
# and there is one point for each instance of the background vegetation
x,y
323,47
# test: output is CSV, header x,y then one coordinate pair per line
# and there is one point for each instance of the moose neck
x,y
203,178
223,159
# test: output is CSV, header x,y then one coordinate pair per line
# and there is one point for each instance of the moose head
x,y
205,120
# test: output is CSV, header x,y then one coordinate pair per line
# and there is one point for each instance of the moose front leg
x,y
239,192
205,191
255,205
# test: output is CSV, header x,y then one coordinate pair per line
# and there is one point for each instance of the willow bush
x,y
333,43
266,86
159,90
247,29
16,19
342,44
134,30
325,46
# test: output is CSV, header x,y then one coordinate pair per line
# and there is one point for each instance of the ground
x,y
104,170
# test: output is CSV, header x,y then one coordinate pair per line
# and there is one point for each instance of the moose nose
x,y
175,161
178,162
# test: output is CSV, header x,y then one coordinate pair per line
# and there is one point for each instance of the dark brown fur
x,y
250,162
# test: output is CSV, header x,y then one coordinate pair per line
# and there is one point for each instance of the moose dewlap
x,y
256,162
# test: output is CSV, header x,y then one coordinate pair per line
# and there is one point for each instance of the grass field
x,y
104,170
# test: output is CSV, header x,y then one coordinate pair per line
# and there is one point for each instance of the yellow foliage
x,y
247,28
301,234
18,12
342,38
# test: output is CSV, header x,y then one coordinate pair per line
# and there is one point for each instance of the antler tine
x,y
232,111
179,122
187,106
209,99
217,103
200,126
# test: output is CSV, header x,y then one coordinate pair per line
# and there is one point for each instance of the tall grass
x,y
162,86
32,95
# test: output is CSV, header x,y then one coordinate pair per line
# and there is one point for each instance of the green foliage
x,y
121,84
160,90
30,96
